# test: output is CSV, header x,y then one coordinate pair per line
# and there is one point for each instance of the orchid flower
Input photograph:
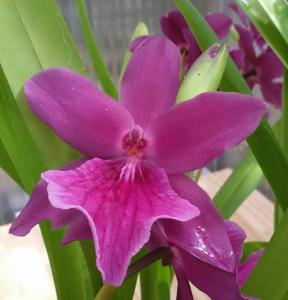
x,y
177,30
206,250
131,148
256,60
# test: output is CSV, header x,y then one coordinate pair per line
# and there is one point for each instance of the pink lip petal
x,y
120,213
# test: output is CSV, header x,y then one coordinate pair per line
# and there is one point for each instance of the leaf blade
x,y
94,53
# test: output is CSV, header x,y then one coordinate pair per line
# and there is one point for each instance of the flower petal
x,y
151,80
216,283
81,115
244,269
39,209
137,42
78,230
238,58
172,25
237,237
271,91
197,131
183,290
220,23
241,14
206,236
269,65
120,212
246,43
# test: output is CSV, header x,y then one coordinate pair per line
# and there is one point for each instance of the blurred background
x,y
113,23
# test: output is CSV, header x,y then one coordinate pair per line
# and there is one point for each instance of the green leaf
x,y
250,247
245,178
33,37
95,277
269,279
140,30
284,122
265,23
126,290
277,10
149,282
278,212
164,281
205,74
243,181
7,165
17,139
262,142
95,55
155,282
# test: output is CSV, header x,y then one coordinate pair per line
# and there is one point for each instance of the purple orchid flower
x,y
177,30
206,250
256,60
131,149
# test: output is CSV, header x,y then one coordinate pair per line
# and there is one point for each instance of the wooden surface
x,y
24,267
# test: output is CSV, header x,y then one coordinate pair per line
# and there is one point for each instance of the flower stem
x,y
147,260
106,292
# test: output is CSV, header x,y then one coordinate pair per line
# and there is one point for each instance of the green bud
x,y
205,74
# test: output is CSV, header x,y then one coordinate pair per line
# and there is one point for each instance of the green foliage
x,y
243,181
97,61
269,280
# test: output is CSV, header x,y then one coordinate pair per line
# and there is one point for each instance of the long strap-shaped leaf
x,y
34,37
277,11
245,179
97,61
7,165
269,280
263,143
265,21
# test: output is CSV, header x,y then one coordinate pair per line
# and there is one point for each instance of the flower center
x,y
133,142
